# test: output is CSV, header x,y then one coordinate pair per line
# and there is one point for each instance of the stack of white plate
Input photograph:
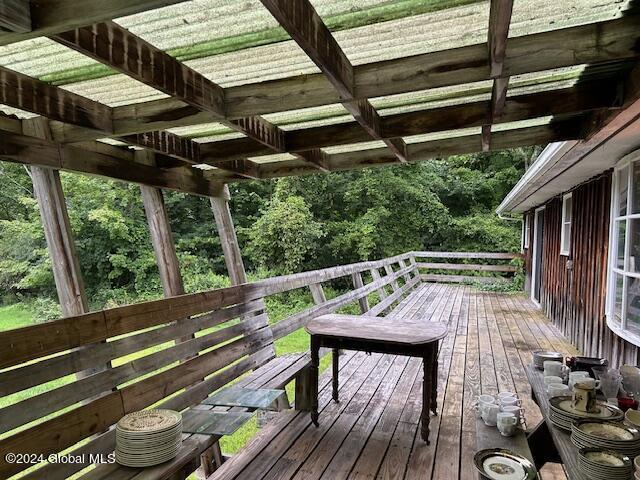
x,y
606,435
541,356
599,464
562,414
148,437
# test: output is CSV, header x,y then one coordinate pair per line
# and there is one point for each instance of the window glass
x,y
622,230
618,296
633,263
635,188
623,185
633,304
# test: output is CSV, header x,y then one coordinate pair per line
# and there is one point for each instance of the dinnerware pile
x,y
562,413
502,464
148,437
606,435
599,464
540,356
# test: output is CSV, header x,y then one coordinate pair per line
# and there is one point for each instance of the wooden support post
x,y
317,292
57,229
375,274
161,236
407,276
358,283
228,238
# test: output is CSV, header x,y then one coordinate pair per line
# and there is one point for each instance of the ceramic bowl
x,y
636,463
633,417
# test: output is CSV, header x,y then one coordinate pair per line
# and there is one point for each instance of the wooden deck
x,y
374,433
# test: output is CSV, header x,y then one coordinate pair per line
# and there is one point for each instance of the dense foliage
x,y
287,225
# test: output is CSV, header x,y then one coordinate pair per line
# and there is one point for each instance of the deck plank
x,y
373,432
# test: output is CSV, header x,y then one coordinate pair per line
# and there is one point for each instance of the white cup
x,y
510,401
553,368
552,379
481,402
506,423
575,376
490,414
515,410
502,395
558,390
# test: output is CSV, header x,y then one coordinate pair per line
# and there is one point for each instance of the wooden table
x,y
389,335
547,440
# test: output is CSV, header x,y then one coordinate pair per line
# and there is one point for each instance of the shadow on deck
x,y
373,432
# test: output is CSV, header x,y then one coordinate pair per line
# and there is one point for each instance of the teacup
x,y
575,376
490,414
481,401
507,423
554,369
558,390
552,379
516,411
510,401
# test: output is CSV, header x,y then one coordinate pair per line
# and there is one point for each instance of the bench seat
x,y
274,374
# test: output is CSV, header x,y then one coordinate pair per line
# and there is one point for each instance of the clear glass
x,y
633,262
633,305
623,184
635,188
622,231
618,298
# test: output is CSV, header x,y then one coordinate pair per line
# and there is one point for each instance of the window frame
x,y
619,324
565,232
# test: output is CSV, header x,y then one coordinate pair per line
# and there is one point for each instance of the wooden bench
x,y
90,370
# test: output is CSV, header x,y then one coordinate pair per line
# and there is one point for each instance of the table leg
x,y
315,364
426,396
434,379
334,354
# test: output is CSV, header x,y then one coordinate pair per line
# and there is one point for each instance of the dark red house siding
x,y
574,287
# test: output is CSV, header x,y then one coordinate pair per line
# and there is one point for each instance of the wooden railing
x,y
126,358
465,267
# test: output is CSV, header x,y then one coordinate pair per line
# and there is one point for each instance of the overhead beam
x,y
53,16
33,151
567,101
595,43
305,26
15,16
499,21
116,47
571,129
32,95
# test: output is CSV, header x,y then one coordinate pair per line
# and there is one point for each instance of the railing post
x,y
375,274
358,283
389,271
406,276
317,292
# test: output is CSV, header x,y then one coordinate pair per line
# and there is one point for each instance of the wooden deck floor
x,y
373,432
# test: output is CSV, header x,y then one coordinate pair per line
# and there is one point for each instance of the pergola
x,y
194,95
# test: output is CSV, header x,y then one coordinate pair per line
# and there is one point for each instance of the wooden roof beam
x,y
116,47
34,151
53,16
570,46
15,16
571,129
577,99
305,26
499,21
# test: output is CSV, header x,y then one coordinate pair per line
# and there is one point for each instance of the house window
x,y
565,234
623,299
527,231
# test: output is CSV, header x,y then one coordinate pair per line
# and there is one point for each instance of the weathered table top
x,y
567,451
376,329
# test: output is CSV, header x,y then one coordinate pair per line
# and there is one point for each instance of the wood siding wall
x,y
574,287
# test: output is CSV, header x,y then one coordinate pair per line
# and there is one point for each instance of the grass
x,y
14,316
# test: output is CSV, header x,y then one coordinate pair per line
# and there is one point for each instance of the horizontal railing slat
x,y
467,266
487,255
460,279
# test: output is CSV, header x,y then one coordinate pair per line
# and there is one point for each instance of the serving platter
x,y
502,464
